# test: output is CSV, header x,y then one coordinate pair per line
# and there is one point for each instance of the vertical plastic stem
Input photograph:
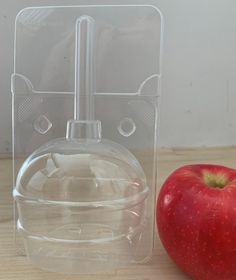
x,y
84,126
84,69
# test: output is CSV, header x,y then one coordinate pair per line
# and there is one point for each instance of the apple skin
x,y
197,221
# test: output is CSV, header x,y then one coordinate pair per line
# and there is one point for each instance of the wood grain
x,y
16,267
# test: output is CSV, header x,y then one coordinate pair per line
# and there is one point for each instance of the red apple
x,y
196,220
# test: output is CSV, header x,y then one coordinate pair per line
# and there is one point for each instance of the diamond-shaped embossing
x,y
42,124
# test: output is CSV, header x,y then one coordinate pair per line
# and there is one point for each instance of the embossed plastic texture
x,y
85,108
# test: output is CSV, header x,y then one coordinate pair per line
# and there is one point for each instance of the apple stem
x,y
215,180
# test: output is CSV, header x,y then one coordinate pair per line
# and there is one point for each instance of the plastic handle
x,y
84,126
84,69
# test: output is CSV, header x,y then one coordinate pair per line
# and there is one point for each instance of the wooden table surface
x,y
160,267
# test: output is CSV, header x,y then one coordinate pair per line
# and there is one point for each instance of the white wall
x,y
199,71
199,83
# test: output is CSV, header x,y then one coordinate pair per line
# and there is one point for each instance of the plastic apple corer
x,y
81,199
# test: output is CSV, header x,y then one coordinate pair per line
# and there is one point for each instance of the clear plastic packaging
x,y
85,185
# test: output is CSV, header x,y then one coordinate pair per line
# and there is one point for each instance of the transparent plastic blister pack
x,y
86,91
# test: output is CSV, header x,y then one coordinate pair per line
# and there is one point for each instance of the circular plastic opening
x,y
127,127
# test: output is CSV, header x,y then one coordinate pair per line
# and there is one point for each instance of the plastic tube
x,y
84,69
